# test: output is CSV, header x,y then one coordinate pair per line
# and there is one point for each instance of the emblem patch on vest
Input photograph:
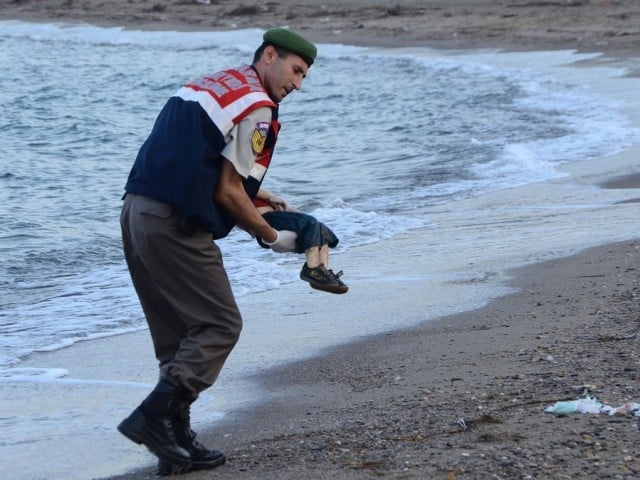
x,y
259,137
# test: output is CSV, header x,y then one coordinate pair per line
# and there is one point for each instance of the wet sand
x,y
463,397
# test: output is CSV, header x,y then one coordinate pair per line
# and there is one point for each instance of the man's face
x,y
283,75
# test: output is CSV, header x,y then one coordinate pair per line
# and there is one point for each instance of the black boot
x,y
202,458
150,424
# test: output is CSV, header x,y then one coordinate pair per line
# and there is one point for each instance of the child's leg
x,y
324,255
317,255
312,256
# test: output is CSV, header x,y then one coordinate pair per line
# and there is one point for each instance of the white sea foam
x,y
374,138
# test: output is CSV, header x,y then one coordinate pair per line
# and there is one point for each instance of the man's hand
x,y
285,241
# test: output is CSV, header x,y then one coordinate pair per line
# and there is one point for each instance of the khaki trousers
x,y
184,291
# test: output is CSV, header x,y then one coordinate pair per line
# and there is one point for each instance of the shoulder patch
x,y
259,137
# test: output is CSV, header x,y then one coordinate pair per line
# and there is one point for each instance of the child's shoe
x,y
323,279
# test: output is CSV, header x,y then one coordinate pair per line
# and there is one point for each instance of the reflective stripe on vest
x,y
227,96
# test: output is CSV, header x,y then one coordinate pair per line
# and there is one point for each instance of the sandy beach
x,y
462,397
391,406
586,25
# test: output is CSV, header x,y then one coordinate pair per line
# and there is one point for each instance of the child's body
x,y
314,239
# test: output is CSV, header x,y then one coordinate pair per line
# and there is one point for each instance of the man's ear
x,y
269,54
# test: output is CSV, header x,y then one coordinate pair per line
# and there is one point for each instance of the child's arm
x,y
277,203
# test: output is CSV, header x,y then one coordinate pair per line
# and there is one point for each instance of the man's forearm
x,y
231,195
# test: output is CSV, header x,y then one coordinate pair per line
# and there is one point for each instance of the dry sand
x,y
589,25
389,407
464,397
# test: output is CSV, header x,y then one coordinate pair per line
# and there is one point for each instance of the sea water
x,y
378,144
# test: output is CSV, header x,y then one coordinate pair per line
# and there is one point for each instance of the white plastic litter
x,y
582,405
592,405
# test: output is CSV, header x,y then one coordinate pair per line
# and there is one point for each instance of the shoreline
x,y
390,405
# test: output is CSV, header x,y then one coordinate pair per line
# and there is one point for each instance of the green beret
x,y
293,42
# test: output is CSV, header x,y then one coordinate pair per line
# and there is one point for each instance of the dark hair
x,y
282,53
